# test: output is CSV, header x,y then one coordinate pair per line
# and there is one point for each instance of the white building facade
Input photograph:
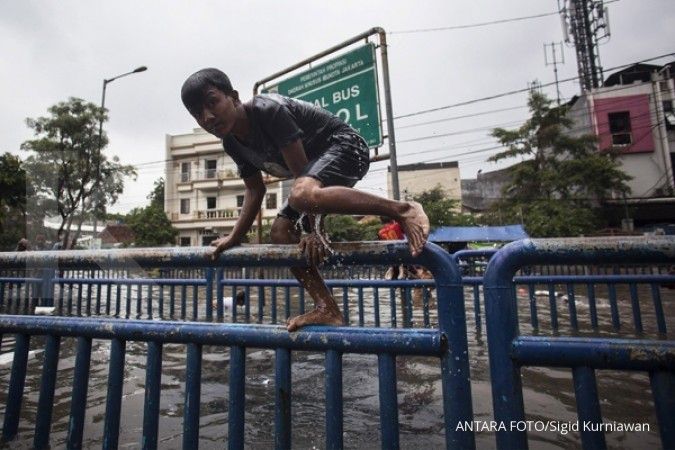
x,y
203,192
413,179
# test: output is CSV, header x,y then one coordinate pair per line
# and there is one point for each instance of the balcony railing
x,y
226,213
208,174
213,174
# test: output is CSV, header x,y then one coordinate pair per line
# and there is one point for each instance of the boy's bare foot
x,y
320,316
416,227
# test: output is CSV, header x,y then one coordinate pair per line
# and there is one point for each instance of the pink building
x,y
633,114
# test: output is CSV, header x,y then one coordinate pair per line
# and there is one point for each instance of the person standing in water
x,y
290,138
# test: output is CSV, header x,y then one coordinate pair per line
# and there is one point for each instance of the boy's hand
x,y
221,244
314,249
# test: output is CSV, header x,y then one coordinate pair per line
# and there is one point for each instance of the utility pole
x,y
585,26
554,62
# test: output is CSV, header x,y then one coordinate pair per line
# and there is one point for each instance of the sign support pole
x,y
391,136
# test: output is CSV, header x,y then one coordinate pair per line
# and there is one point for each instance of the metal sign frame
x,y
391,137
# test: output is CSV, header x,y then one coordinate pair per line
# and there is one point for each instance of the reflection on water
x,y
548,393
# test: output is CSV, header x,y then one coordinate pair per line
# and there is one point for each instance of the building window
x,y
210,202
619,127
210,166
271,202
240,201
184,172
669,115
185,206
185,241
208,238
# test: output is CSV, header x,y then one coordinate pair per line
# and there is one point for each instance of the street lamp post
x,y
100,135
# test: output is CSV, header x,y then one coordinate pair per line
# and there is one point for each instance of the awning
x,y
505,233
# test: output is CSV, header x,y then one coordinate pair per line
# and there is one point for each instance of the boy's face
x,y
218,113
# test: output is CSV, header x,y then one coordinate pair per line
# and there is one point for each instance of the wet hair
x,y
194,88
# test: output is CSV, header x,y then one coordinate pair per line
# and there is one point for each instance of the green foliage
x,y
345,228
156,197
548,218
252,235
338,227
442,211
65,164
12,201
559,188
151,227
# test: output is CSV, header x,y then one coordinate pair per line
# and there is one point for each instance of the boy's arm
x,y
253,197
295,157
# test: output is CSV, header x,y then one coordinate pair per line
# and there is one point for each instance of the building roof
x,y
629,75
426,166
113,234
506,233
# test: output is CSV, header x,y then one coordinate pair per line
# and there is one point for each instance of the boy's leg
x,y
309,195
326,311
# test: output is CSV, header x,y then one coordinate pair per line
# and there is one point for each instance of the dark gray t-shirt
x,y
275,121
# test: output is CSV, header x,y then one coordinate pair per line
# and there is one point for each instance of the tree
x,y
339,228
559,187
72,177
345,228
13,187
156,197
441,210
151,227
150,224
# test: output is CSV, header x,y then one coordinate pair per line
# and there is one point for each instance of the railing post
x,y
192,396
46,289
501,317
663,390
457,403
17,382
43,421
79,398
282,388
113,407
153,383
334,414
237,398
209,293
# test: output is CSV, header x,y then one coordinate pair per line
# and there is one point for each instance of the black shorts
x,y
344,163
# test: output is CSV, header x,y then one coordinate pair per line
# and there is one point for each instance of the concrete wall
x,y
416,178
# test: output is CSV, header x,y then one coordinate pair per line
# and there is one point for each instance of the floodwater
x,y
548,393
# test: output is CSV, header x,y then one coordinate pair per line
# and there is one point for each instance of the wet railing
x,y
509,350
210,298
447,340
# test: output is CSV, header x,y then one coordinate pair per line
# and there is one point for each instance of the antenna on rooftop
x,y
554,61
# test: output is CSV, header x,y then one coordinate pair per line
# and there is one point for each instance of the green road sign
x,y
345,86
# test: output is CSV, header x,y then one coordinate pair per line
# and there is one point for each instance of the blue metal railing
x,y
508,351
193,298
448,342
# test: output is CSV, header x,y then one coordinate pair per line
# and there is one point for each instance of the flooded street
x,y
548,393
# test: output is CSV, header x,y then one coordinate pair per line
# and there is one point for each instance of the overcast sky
x,y
55,50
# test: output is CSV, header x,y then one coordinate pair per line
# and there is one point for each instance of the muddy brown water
x,y
548,393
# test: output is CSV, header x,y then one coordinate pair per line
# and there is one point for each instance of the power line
x,y
519,91
482,24
471,102
475,25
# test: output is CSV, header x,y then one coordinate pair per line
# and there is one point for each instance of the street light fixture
x,y
100,132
